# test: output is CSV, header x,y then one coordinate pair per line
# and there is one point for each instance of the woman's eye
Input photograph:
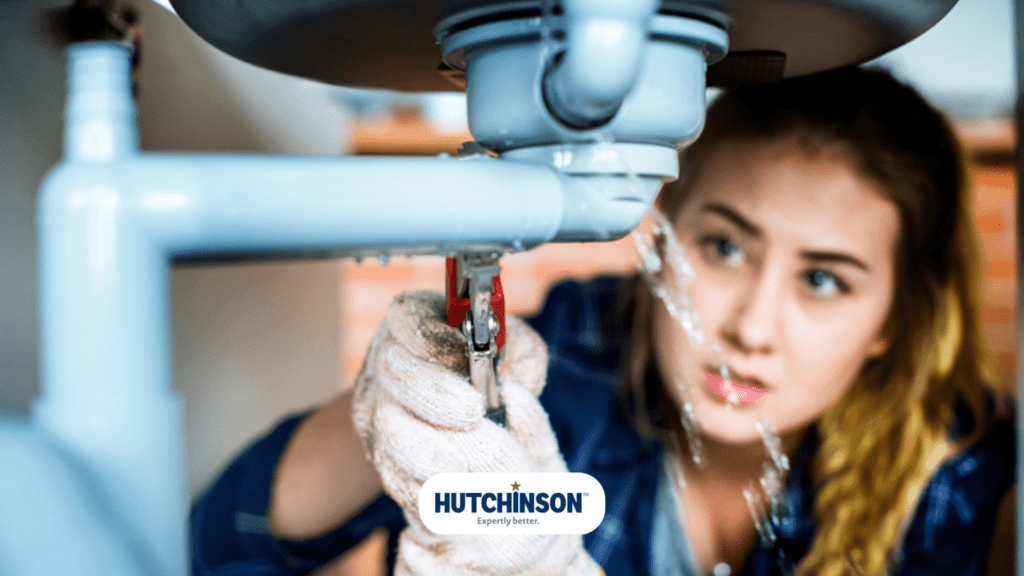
x,y
722,249
825,283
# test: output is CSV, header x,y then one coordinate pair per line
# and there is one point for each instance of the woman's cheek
x,y
712,298
822,377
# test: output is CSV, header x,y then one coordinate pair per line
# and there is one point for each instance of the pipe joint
x,y
585,85
100,112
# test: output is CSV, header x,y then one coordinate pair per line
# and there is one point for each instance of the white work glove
x,y
418,415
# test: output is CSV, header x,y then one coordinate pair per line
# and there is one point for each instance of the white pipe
x,y
54,520
100,111
605,42
111,221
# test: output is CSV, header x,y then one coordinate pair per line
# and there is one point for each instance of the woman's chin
x,y
729,424
731,435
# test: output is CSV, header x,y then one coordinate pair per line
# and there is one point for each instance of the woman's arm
x,y
323,478
293,500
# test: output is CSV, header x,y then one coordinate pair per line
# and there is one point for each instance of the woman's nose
x,y
753,323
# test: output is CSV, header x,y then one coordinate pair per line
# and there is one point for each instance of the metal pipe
x,y
112,220
605,42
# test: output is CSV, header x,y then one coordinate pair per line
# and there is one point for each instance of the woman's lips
x,y
744,393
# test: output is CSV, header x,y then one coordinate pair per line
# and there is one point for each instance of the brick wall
x,y
995,214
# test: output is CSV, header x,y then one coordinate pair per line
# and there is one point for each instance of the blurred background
x,y
255,342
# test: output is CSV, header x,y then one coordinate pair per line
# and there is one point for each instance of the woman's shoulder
x,y
988,463
985,468
958,508
578,312
979,473
582,325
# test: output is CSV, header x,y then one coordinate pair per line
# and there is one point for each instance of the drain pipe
x,y
589,80
105,347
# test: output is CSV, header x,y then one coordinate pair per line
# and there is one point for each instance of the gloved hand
x,y
418,415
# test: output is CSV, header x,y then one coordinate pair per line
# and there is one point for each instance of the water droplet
x,y
755,505
650,262
517,245
562,158
691,429
771,481
721,569
383,259
668,272
733,399
772,444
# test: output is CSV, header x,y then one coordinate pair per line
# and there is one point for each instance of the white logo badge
x,y
510,503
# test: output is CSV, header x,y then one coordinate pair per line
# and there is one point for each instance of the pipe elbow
x,y
604,46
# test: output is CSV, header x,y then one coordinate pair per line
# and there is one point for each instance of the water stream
x,y
663,263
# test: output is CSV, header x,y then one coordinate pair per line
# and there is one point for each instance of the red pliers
x,y
476,305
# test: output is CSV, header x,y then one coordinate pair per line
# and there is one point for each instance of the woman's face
x,y
793,258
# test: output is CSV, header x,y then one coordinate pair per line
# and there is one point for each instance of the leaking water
x,y
766,500
665,267
667,271
669,274
763,523
772,443
692,429
721,569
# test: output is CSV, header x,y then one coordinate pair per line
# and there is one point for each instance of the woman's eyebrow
x,y
734,217
834,257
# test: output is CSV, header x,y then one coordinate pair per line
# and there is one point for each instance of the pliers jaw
x,y
476,305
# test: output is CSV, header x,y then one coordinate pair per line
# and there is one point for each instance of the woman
x,y
833,258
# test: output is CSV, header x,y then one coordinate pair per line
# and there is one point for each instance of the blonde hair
x,y
884,438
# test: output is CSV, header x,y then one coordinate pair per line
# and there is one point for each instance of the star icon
x,y
515,485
